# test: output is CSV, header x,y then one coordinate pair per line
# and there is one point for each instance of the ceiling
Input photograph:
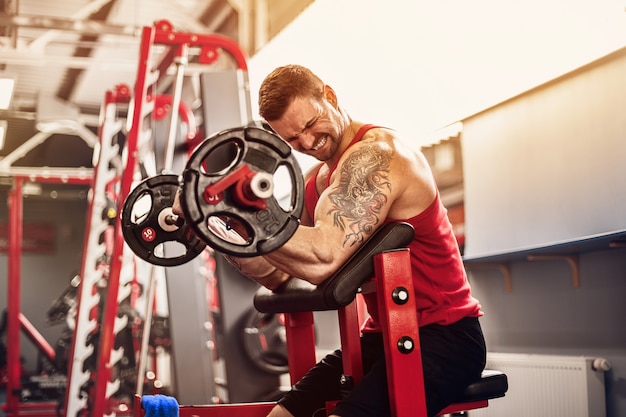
x,y
66,54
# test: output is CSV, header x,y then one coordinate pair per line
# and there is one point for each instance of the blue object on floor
x,y
159,406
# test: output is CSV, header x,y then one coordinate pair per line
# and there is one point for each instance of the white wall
x,y
418,65
548,166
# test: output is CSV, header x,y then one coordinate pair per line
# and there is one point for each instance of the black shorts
x,y
452,357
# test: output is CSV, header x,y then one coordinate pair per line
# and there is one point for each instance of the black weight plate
x,y
265,341
147,234
220,156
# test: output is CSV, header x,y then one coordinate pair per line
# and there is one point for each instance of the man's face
x,y
311,127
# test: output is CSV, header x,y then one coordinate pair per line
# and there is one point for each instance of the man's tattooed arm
x,y
361,193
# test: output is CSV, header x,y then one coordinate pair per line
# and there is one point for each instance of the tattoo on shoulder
x,y
362,192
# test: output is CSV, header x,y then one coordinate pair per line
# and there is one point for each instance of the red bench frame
x,y
398,320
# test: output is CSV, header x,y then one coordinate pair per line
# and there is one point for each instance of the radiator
x,y
548,386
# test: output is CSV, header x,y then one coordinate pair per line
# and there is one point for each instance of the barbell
x,y
228,196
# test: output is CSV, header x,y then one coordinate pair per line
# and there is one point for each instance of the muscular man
x,y
367,176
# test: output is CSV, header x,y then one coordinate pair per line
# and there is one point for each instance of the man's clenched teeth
x,y
320,144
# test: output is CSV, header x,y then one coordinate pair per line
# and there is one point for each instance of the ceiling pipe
x,y
56,24
81,14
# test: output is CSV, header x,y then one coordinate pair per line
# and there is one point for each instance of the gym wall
x,y
45,275
548,165
542,168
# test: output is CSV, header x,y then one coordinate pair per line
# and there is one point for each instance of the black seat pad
x,y
492,384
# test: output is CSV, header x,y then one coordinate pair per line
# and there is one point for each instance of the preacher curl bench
x,y
386,258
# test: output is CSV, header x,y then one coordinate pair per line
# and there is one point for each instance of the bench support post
x,y
300,329
395,296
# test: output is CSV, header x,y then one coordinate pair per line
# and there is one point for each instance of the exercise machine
x,y
238,189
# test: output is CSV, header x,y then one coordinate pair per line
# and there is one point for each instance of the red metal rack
x,y
112,176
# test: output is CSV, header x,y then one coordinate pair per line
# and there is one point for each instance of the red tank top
x,y
443,294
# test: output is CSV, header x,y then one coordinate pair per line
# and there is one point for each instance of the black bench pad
x,y
340,289
492,384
